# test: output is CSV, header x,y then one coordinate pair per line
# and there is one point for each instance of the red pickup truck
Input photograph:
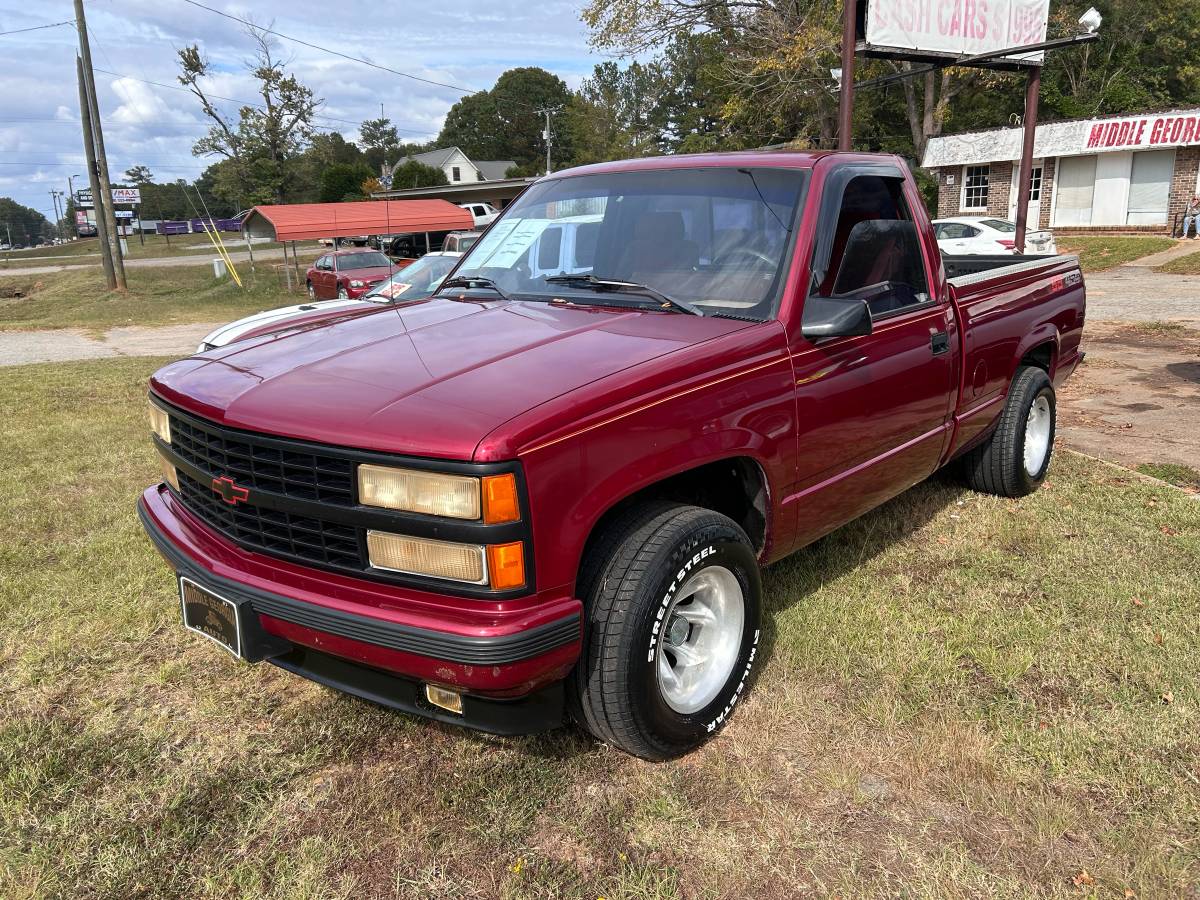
x,y
546,491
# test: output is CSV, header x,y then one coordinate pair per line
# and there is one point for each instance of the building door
x,y
1074,185
1033,219
1150,186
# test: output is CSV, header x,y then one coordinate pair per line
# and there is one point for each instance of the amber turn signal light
x,y
500,499
506,565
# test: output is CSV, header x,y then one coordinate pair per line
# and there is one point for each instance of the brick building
x,y
1126,173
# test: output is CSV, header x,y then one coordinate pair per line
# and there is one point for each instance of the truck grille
x,y
262,464
274,530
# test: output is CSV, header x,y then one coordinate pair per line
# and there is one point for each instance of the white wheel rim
x,y
700,639
1037,435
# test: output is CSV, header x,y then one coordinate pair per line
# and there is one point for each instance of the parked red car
x,y
348,274
547,490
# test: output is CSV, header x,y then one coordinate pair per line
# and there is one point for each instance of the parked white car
x,y
482,213
974,235
415,282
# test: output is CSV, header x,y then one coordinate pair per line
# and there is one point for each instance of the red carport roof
x,y
306,221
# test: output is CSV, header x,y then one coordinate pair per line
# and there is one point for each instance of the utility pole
x,y
57,215
85,115
103,199
547,134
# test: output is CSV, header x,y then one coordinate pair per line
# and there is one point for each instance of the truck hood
x,y
430,378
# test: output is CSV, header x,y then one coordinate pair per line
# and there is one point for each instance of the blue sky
x,y
469,44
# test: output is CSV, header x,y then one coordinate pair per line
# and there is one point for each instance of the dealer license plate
x,y
211,615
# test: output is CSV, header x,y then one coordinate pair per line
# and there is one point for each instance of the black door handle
x,y
940,343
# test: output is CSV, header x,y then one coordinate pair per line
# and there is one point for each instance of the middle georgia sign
x,y
1143,131
956,27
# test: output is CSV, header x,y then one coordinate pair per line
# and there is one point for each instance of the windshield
x,y
415,282
716,239
367,260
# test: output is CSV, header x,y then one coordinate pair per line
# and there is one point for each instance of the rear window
x,y
999,225
363,261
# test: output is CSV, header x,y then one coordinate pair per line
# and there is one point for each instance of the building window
x,y
455,173
975,187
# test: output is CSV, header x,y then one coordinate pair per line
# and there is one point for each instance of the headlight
x,y
160,422
493,497
354,282
410,490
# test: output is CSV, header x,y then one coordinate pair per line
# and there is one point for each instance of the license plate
x,y
211,615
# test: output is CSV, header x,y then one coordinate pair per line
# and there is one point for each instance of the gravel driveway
x,y
18,348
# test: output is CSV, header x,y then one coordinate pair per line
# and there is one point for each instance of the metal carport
x,y
311,221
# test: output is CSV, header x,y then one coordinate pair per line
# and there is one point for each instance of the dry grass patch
x,y
962,697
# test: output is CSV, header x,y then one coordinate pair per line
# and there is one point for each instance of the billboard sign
x,y
122,196
941,28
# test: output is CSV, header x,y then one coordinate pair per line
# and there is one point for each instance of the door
x,y
324,280
1074,185
873,410
1150,187
957,238
1034,210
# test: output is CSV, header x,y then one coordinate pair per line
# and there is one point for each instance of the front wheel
x,y
1013,461
343,294
312,291
673,607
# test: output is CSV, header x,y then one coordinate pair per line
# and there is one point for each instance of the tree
x,y
411,173
507,121
380,141
264,142
23,223
344,181
139,175
615,113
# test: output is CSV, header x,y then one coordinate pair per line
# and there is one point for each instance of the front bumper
x,y
379,641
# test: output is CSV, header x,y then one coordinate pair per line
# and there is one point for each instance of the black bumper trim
x,y
539,711
474,651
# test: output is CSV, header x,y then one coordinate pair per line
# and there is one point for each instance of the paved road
x,y
157,262
18,348
1130,293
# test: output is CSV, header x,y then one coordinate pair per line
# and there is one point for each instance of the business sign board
x,y
123,213
123,196
955,28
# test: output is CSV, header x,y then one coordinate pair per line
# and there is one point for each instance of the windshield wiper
x,y
623,287
468,281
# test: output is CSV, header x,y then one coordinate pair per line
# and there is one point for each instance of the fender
x,y
1046,333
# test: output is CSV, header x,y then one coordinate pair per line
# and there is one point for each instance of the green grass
x,y
960,696
1182,265
1102,251
1173,473
78,298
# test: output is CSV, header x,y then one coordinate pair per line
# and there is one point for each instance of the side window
x,y
969,232
549,249
876,248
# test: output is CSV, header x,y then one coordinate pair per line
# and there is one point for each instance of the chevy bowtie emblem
x,y
231,493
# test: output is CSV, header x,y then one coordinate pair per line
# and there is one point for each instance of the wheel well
x,y
735,487
1041,356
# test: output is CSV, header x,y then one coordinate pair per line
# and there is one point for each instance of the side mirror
x,y
826,317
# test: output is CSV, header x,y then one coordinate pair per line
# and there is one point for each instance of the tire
x,y
649,586
312,291
343,294
1013,461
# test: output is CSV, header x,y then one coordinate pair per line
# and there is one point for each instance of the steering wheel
x,y
748,252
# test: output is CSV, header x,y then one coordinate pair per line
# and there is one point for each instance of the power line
x,y
176,87
36,28
311,46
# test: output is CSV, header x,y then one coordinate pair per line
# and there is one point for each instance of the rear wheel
x,y
1013,461
673,606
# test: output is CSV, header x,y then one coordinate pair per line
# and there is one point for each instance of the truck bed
x,y
958,266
